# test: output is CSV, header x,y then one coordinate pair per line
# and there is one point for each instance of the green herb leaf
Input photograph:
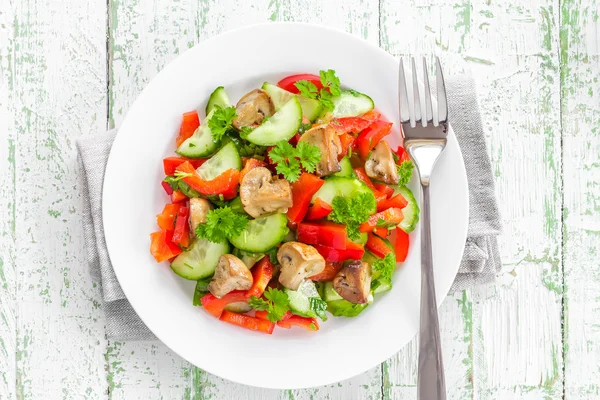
x,y
386,266
307,89
275,302
318,306
405,171
330,80
326,100
222,224
220,122
273,255
200,290
304,128
309,156
352,212
173,182
289,159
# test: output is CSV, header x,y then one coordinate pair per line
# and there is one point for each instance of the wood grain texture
x,y
580,56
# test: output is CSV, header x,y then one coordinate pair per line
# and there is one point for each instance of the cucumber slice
x,y
364,236
281,126
237,206
311,108
300,299
381,286
200,290
262,234
329,293
217,98
346,166
341,186
343,308
226,158
351,104
201,143
411,211
200,260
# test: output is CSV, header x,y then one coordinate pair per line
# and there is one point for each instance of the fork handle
x,y
431,384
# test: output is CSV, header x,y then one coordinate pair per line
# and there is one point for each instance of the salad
x,y
287,205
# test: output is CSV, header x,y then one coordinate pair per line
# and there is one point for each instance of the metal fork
x,y
425,139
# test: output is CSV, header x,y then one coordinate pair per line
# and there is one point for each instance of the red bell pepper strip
x,y
377,246
178,197
402,155
161,247
318,210
302,192
224,184
262,273
294,140
354,124
166,219
310,324
249,165
170,164
398,201
188,125
401,245
167,187
381,232
248,322
330,271
362,175
370,137
262,315
324,233
353,251
181,234
347,142
215,305
392,216
383,188
287,83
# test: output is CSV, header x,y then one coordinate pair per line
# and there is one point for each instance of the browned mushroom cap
x,y
325,138
198,210
298,261
262,194
253,108
230,274
353,282
381,165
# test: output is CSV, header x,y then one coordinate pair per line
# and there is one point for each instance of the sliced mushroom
x,y
253,108
261,193
353,282
230,274
198,210
326,139
298,261
381,165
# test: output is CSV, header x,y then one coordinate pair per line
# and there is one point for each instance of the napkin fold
x,y
480,262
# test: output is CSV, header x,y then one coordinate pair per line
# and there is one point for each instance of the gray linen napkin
x,y
480,261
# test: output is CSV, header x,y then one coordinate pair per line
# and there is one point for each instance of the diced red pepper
x,y
401,245
262,273
262,315
215,305
398,201
249,165
330,271
161,247
383,188
302,192
294,140
370,137
188,125
347,141
362,175
318,210
224,184
178,197
349,124
166,219
381,232
170,164
287,83
353,251
245,321
377,246
392,216
324,233
402,155
181,234
167,187
310,324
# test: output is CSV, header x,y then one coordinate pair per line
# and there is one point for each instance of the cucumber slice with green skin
x,y
200,290
217,98
347,170
362,239
411,211
343,308
226,158
201,143
381,286
341,186
281,126
311,108
351,104
262,234
187,190
200,260
237,206
329,293
300,299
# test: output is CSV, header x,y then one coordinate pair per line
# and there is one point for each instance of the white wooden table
x,y
73,67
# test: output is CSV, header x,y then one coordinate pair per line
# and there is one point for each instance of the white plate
x,y
241,60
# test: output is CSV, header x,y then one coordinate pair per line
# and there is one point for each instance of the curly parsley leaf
x,y
275,302
329,79
318,306
222,224
220,122
326,99
307,89
309,156
405,171
386,267
352,212
290,159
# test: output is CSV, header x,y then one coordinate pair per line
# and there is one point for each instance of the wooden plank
x,y
511,48
56,66
580,74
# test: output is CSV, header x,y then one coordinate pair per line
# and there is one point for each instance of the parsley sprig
x,y
405,171
275,302
222,224
289,159
352,212
330,81
220,122
386,266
